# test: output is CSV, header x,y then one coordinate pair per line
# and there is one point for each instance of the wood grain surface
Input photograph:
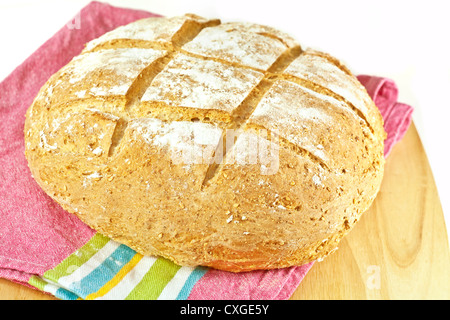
x,y
398,250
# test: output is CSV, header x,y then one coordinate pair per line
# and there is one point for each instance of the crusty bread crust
x,y
218,144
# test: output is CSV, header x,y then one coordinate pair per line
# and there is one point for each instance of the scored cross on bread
x,y
217,144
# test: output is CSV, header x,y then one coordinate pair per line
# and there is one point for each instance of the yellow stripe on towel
x,y
116,279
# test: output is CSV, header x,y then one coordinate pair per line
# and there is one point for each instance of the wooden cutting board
x,y
398,250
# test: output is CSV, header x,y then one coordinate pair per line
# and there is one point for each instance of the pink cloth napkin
x,y
36,233
397,116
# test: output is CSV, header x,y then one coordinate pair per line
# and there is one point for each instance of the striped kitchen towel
x,y
104,269
45,247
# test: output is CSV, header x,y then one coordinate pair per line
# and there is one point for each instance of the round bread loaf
x,y
217,144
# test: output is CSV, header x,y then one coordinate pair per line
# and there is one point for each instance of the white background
x,y
407,41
